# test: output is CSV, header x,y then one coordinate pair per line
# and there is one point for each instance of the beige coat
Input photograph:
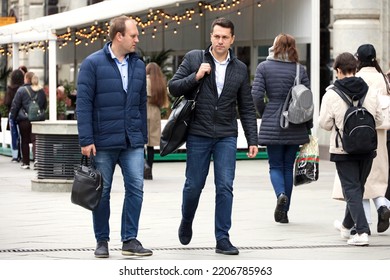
x,y
376,184
154,120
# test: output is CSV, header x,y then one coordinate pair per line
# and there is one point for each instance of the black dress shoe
x,y
284,219
225,247
101,249
383,219
133,247
279,210
185,232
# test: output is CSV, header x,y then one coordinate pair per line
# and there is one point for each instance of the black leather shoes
x,y
185,232
101,249
225,247
383,219
133,247
284,219
279,210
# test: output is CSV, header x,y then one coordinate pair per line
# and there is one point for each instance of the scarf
x,y
280,57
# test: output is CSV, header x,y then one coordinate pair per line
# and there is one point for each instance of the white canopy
x,y
44,28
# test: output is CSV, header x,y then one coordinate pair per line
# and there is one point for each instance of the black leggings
x,y
26,138
387,195
149,155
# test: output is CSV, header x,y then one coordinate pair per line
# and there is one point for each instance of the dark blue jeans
x,y
131,162
200,151
281,165
15,140
353,175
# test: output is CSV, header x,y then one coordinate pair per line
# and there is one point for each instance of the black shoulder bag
x,y
175,132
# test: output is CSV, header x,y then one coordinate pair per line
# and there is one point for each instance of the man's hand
x,y
252,151
204,68
87,150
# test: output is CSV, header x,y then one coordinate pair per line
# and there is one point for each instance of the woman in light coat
x,y
156,87
353,169
376,185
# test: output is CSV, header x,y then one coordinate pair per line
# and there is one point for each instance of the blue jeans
x,y
200,151
281,165
131,162
13,126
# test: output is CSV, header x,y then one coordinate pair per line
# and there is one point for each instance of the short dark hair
x,y
346,62
226,23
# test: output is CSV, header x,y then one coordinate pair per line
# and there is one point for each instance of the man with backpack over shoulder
x,y
29,104
353,163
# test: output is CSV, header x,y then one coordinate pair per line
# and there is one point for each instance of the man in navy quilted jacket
x,y
111,118
213,131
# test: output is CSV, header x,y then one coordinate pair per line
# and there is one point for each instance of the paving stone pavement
x,y
47,226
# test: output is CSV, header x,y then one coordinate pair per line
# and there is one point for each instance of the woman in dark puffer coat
x,y
273,79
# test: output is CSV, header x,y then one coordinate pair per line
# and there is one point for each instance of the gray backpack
x,y
298,107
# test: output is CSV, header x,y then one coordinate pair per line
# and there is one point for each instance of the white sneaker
x,y
359,240
25,166
344,232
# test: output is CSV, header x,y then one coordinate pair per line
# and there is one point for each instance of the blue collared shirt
x,y
123,68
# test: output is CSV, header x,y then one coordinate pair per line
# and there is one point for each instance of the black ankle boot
x,y
383,219
147,172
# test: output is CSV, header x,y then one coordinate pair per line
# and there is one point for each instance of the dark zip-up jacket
x,y
274,79
217,117
23,99
107,116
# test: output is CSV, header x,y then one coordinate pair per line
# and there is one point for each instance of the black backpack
x,y
34,112
359,132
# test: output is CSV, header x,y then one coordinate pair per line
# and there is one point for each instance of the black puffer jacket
x,y
22,101
274,79
217,117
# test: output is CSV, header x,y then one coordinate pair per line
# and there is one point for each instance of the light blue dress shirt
x,y
123,68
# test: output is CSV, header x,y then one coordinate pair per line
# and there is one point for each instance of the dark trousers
x,y
353,175
26,138
387,195
149,156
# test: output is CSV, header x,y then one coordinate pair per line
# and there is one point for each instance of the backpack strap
x,y
29,93
297,79
342,95
283,115
346,100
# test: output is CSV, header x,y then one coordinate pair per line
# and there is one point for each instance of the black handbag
x,y
87,185
175,131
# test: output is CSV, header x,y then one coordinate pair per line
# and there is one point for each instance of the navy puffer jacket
x,y
106,114
274,79
217,117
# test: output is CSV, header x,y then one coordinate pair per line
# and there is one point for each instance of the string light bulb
x,y
87,35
